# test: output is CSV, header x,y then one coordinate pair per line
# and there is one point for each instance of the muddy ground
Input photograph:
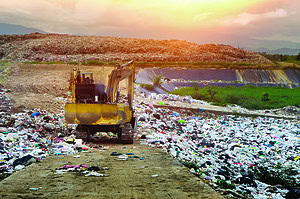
x,y
43,86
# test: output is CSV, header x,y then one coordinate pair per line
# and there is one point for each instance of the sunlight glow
x,y
178,14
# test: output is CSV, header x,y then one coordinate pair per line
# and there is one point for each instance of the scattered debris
x,y
96,174
241,154
30,136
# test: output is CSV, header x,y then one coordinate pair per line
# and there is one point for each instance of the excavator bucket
x,y
97,114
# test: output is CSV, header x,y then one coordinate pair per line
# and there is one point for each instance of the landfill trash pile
x,y
290,110
175,98
55,47
29,137
167,99
154,100
254,157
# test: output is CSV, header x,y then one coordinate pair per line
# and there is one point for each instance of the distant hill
x,y
245,42
10,29
268,44
282,51
57,47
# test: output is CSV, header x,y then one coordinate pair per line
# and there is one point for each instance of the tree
x,y
195,86
298,57
212,93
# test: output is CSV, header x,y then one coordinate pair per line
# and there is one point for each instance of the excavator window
x,y
87,78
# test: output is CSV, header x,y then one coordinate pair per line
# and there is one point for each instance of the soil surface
x,y
44,85
157,176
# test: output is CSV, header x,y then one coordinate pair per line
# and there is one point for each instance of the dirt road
x,y
128,179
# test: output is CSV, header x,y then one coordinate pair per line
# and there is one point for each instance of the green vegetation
x,y
149,87
298,57
250,97
225,185
293,59
168,64
157,80
98,63
163,64
277,58
87,63
5,70
41,62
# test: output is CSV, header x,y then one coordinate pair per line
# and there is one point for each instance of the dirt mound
x,y
56,47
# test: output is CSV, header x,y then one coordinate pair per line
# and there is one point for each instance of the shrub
x,y
147,86
198,96
94,63
251,104
225,185
196,86
234,99
298,57
265,97
212,93
73,63
157,80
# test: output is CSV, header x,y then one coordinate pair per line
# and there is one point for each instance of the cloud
x,y
247,18
72,16
69,4
200,17
155,19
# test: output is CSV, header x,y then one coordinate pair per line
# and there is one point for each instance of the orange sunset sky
x,y
159,19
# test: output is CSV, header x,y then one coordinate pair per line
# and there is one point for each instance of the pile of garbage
x,y
290,110
256,157
175,98
55,47
30,136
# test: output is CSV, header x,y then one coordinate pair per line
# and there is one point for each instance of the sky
x,y
159,19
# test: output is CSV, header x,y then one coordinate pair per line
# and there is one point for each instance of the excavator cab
x,y
85,88
87,78
97,110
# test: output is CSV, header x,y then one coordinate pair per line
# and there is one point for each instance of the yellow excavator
x,y
97,110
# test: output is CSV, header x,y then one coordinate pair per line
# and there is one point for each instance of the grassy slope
x,y
194,65
247,96
5,69
292,59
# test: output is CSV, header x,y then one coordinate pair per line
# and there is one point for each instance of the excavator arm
x,y
120,73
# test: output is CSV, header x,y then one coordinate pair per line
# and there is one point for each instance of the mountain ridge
x,y
204,38
283,51
11,29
